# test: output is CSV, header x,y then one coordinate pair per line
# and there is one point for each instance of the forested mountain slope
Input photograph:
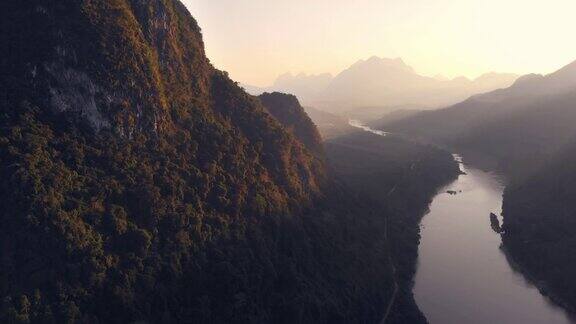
x,y
287,110
141,184
401,177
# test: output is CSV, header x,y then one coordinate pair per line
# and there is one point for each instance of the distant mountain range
x,y
528,130
526,122
381,85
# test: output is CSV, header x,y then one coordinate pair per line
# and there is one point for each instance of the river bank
x,y
463,276
401,177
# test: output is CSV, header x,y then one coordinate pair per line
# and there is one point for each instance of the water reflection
x,y
463,274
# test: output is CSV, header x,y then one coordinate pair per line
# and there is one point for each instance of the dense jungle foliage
x,y
401,177
286,109
141,184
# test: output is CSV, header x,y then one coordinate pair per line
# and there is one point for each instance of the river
x,y
358,124
463,275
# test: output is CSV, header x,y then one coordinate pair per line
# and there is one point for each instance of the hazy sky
x,y
256,40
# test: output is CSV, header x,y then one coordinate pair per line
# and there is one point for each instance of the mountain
x,y
400,177
141,184
374,82
492,80
287,110
528,130
394,116
370,88
539,224
390,82
528,121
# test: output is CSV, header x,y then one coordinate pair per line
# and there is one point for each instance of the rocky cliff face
x,y
128,68
141,184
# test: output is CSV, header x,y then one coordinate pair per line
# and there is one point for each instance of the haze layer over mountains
x,y
141,184
382,85
531,119
528,131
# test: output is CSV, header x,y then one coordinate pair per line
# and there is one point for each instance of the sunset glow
x,y
256,40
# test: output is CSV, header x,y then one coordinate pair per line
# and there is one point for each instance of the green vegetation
x,y
401,178
287,110
141,184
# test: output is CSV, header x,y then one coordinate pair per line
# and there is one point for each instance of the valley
x,y
142,183
524,132
456,240
400,178
463,267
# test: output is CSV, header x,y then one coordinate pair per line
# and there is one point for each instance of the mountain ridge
x,y
528,130
483,115
142,184
288,111
384,84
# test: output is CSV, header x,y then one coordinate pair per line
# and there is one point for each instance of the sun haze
x,y
256,40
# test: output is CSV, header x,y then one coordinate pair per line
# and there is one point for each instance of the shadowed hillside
x,y
520,126
287,110
528,129
141,184
539,225
401,177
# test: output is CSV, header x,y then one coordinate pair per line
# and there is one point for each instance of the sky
x,y
257,40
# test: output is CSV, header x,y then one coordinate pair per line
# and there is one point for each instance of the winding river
x,y
463,275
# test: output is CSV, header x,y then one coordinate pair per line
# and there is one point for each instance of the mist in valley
x,y
196,161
